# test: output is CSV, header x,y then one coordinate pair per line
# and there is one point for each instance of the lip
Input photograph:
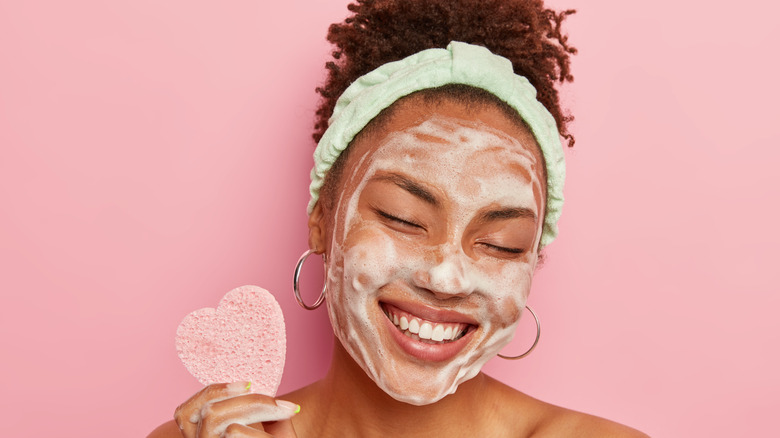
x,y
425,351
434,314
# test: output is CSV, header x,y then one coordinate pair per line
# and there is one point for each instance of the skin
x,y
438,220
351,400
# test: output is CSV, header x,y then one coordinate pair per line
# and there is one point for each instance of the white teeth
x,y
429,331
425,331
414,326
438,333
457,332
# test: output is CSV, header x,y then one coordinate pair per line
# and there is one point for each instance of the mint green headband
x,y
459,63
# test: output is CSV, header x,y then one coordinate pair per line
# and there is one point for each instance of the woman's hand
x,y
227,410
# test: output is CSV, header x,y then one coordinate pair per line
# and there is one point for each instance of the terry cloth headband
x,y
459,63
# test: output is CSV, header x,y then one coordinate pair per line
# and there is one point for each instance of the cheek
x,y
371,259
507,289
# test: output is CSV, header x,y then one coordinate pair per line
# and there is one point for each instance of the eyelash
x,y
506,250
389,216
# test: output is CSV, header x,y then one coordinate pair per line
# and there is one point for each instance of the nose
x,y
448,276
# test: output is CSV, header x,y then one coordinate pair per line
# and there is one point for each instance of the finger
x,y
281,429
187,415
244,409
188,430
236,430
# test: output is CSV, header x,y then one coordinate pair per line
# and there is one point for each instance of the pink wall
x,y
155,155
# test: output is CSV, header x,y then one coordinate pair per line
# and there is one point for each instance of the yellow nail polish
x,y
290,406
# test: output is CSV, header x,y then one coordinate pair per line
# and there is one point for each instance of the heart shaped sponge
x,y
243,339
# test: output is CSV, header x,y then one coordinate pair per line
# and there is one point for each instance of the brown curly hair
x,y
381,31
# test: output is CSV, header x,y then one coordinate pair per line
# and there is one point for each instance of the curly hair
x,y
381,31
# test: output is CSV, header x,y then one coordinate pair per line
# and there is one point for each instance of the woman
x,y
438,180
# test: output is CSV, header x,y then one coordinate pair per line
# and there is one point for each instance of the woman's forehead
x,y
449,132
466,161
445,137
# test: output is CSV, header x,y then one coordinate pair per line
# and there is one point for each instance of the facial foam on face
x,y
472,166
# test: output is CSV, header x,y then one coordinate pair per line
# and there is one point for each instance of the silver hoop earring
x,y
536,341
297,291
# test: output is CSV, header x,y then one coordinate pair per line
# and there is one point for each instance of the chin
x,y
409,369
420,396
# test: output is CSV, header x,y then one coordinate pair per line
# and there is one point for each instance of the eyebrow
x,y
507,213
410,186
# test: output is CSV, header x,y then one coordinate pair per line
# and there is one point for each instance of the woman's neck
x,y
348,403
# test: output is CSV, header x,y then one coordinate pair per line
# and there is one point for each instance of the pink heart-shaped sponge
x,y
241,340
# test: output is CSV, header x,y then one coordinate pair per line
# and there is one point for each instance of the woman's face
x,y
432,243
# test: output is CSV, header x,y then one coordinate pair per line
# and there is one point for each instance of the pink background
x,y
155,155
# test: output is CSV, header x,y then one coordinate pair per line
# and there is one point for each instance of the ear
x,y
317,229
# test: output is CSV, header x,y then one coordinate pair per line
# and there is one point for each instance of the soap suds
x,y
474,166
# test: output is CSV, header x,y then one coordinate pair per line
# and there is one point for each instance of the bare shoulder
x,y
547,420
166,430
565,422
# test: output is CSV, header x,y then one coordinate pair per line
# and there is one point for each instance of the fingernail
x,y
289,405
237,388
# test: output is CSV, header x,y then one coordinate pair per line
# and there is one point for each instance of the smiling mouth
x,y
423,330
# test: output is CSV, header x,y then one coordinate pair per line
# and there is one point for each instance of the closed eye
x,y
508,250
502,249
397,220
